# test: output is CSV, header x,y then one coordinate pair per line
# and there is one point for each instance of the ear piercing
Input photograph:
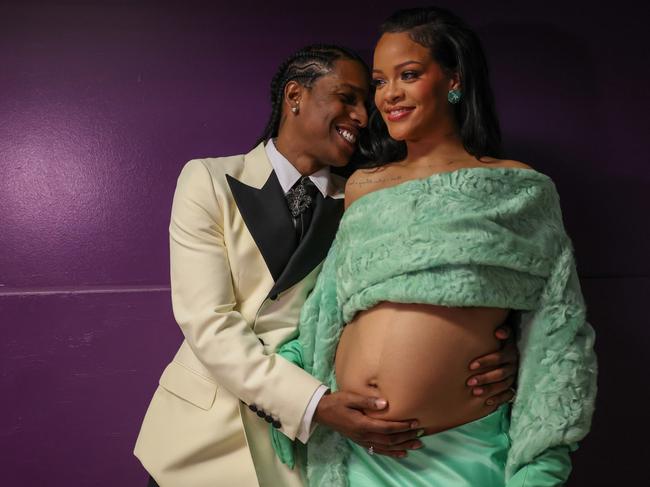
x,y
295,109
454,96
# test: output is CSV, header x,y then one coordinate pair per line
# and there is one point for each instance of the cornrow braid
x,y
305,67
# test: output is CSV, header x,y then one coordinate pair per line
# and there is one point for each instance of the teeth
x,y
397,112
349,136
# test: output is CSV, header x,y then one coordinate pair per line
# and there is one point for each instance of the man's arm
x,y
496,372
205,308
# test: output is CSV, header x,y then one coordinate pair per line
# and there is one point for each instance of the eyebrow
x,y
400,65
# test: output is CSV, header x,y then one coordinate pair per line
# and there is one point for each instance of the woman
x,y
440,241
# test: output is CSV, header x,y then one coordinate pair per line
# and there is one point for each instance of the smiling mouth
x,y
347,135
399,113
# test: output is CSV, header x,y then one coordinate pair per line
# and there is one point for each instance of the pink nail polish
x,y
474,365
472,382
477,391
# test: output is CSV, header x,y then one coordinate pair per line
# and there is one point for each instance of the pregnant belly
x,y
416,357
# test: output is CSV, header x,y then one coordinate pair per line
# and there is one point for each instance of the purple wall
x,y
102,102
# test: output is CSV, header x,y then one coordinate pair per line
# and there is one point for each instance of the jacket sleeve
x,y
319,319
206,309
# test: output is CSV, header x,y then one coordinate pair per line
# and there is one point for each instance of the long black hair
x,y
304,66
456,48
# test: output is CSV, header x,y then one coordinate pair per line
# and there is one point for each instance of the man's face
x,y
332,112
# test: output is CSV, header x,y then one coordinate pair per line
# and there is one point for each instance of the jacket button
x,y
268,419
253,408
276,424
261,413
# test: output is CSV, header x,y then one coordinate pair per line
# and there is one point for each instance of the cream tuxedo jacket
x,y
237,289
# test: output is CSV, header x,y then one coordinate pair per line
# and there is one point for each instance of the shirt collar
x,y
288,175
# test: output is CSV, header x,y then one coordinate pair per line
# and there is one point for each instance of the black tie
x,y
301,198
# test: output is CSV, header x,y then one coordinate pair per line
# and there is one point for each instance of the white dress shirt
x,y
288,175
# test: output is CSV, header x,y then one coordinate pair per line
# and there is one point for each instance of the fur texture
x,y
472,237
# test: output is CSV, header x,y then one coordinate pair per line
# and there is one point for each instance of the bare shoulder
x,y
364,181
509,163
515,164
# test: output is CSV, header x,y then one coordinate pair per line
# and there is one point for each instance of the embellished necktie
x,y
301,198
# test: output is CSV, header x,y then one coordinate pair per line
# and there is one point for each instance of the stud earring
x,y
295,110
454,96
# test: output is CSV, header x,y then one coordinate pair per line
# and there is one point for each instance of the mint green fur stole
x,y
472,237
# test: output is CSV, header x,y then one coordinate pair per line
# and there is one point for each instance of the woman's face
x,y
332,112
411,88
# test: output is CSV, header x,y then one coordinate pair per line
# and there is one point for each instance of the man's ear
x,y
292,95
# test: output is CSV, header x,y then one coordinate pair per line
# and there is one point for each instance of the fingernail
x,y
414,425
380,403
402,455
474,365
477,391
472,382
417,444
420,432
489,402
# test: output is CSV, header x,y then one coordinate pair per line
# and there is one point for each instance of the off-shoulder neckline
x,y
442,174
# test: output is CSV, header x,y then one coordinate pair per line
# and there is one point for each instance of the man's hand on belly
x,y
497,370
343,412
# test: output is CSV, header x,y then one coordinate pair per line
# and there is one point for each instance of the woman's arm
x,y
557,381
549,469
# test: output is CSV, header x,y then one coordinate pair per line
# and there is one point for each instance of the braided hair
x,y
305,67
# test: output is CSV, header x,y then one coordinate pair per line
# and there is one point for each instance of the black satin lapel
x,y
268,220
314,247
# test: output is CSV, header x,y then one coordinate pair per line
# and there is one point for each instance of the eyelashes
x,y
410,75
404,76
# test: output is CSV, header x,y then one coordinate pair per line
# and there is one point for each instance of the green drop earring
x,y
454,96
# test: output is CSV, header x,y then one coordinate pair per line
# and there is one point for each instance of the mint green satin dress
x,y
473,454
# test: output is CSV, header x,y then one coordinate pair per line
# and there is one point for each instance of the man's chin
x,y
340,158
340,162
